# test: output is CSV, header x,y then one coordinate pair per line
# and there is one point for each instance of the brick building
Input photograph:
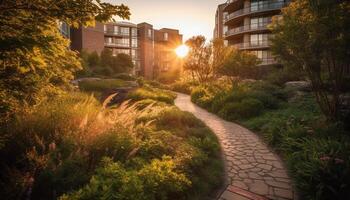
x,y
152,51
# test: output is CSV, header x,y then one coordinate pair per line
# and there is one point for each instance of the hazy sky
x,y
191,17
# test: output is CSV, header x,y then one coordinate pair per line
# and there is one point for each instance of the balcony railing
x,y
117,45
252,45
118,33
247,28
256,8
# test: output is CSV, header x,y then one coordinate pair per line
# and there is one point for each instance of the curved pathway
x,y
253,171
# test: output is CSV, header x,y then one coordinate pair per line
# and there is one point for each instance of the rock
x,y
299,85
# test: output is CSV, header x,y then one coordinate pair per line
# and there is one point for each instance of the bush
x,y
198,93
152,93
182,87
101,85
124,77
62,145
247,108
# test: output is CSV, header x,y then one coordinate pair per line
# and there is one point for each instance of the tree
x,y
240,64
122,63
204,60
34,58
314,35
93,59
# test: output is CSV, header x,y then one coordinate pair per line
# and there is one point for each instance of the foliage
x,y
314,35
204,60
105,64
244,101
35,61
147,92
316,152
182,87
77,149
101,85
240,65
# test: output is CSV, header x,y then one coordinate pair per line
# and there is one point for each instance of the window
x,y
119,51
259,39
124,42
124,30
134,54
134,32
149,33
105,28
109,40
134,42
166,35
116,29
258,5
259,22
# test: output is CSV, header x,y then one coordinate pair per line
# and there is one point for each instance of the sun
x,y
182,51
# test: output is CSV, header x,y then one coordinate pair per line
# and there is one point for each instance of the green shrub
x,y
101,85
125,77
198,93
247,108
152,93
182,87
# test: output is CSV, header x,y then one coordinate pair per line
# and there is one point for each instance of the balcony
x,y
231,4
113,33
117,45
261,44
265,7
247,28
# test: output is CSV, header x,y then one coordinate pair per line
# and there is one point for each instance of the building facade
x,y
246,26
151,50
219,21
122,37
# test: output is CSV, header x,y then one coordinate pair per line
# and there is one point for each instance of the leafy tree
x,y
314,35
34,58
122,63
204,60
240,64
93,59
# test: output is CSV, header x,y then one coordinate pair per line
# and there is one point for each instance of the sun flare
x,y
182,51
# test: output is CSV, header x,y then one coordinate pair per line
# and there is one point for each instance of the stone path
x,y
253,171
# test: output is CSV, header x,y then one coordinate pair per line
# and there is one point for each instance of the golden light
x,y
182,51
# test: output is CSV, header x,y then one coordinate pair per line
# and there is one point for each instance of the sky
x,y
191,17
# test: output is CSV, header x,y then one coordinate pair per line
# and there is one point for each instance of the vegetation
x,y
74,148
314,36
204,61
35,61
105,64
101,85
147,92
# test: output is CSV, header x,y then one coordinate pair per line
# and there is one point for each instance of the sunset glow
x,y
182,51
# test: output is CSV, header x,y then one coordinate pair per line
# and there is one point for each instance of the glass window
x,y
116,29
119,51
124,30
134,32
108,40
134,54
166,36
124,42
105,28
134,42
150,33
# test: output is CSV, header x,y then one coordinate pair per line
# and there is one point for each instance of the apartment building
x,y
122,37
245,25
151,50
219,21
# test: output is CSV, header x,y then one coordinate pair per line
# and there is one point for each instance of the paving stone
x,y
227,195
250,163
259,187
283,193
